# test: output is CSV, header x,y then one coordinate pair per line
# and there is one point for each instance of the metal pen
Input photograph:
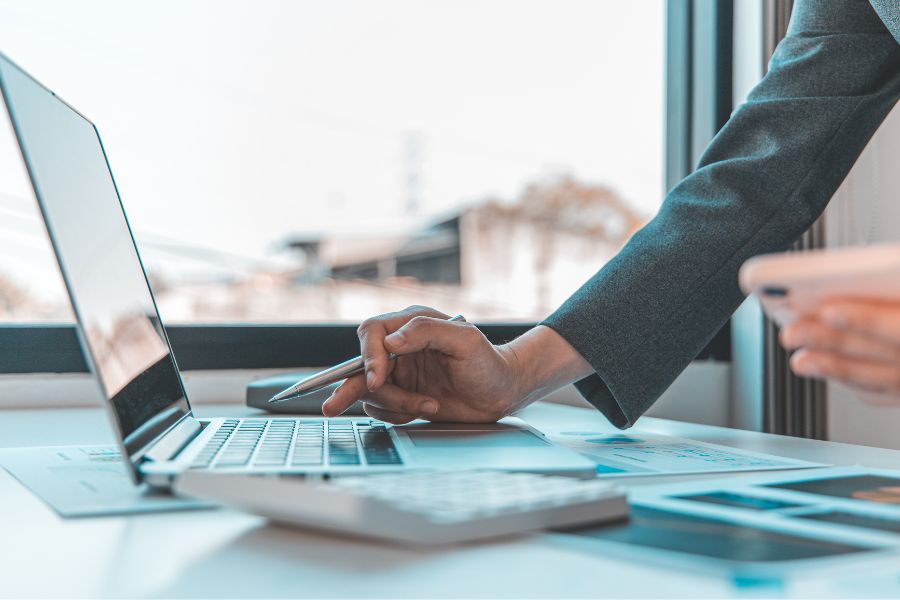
x,y
322,379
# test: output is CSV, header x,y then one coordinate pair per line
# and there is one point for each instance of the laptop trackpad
x,y
508,445
473,438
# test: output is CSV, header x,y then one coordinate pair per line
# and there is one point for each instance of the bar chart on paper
x,y
617,454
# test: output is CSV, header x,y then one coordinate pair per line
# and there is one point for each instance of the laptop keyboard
x,y
268,443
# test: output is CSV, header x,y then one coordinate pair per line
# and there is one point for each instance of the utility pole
x,y
413,151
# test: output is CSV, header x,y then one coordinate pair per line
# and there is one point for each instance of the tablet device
x,y
796,284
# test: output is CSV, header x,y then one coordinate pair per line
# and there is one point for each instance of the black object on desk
x,y
259,392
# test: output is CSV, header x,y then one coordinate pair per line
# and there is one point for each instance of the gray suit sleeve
x,y
762,181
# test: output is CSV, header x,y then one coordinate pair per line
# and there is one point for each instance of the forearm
x,y
545,362
764,179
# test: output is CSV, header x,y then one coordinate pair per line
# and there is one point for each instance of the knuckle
x,y
471,330
472,334
364,327
418,310
419,322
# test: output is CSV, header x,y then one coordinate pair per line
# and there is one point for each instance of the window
x,y
325,161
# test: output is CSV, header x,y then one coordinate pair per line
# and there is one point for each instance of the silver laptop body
x,y
128,351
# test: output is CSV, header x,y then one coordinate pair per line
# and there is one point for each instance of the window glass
x,y
325,161
31,287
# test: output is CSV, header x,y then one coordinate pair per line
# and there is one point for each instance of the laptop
x,y
129,354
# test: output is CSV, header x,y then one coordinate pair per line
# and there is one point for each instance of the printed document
x,y
620,454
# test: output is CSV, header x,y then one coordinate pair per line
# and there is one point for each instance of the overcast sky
x,y
235,124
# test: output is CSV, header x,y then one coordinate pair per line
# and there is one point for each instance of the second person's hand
x,y
852,342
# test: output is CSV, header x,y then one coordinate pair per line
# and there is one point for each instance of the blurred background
x,y
325,161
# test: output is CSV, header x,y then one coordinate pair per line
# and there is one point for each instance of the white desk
x,y
225,553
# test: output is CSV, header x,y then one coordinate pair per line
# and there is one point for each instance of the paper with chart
x,y
86,481
617,454
829,524
843,504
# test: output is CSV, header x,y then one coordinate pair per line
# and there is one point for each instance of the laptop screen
x,y
119,325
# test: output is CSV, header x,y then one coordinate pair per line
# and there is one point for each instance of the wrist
x,y
522,383
542,361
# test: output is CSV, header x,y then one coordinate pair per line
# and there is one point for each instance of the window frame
x,y
54,348
697,103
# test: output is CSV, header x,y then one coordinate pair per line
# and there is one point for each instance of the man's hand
x,y
449,371
443,371
853,342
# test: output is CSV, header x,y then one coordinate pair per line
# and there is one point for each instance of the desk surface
x,y
226,553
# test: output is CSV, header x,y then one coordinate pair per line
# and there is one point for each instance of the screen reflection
x,y
118,320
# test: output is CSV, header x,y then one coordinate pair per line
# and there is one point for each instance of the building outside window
x,y
326,161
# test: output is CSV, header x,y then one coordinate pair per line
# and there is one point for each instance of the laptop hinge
x,y
175,440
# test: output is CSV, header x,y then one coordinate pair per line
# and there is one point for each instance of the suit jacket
x,y
760,184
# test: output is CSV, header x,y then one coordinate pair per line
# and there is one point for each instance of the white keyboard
x,y
434,507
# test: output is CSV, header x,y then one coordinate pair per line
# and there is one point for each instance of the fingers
x,y
816,335
855,343
345,396
389,399
371,334
860,373
455,338
387,416
400,401
880,320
